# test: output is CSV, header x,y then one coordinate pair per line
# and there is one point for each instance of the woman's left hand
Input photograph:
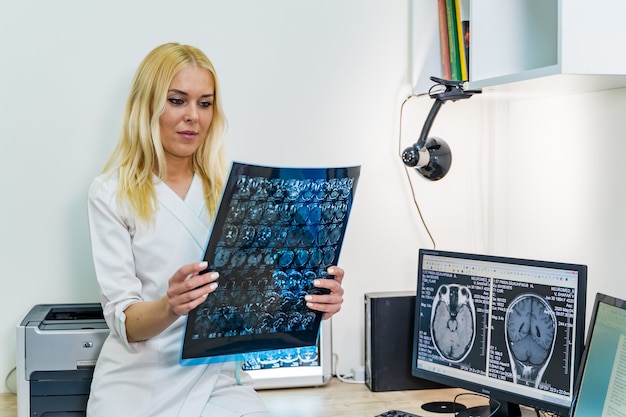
x,y
330,303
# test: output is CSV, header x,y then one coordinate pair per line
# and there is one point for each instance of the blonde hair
x,y
139,153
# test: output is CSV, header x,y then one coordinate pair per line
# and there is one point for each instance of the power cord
x,y
543,413
354,377
493,413
10,381
539,413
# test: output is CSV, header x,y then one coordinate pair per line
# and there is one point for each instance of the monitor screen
x,y
600,388
507,328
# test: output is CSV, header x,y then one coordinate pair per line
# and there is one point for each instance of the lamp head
x,y
432,157
432,160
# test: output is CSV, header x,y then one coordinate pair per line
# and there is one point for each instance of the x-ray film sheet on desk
x,y
275,231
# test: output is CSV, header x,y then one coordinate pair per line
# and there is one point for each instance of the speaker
x,y
389,327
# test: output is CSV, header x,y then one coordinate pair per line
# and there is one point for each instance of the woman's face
x,y
188,112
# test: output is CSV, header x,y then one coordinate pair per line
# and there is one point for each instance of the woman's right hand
x,y
188,288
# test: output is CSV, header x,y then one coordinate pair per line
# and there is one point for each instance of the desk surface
x,y
332,400
356,400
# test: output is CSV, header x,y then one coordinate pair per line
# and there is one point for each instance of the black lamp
x,y
431,157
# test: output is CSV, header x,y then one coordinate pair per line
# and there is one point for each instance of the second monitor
x,y
511,329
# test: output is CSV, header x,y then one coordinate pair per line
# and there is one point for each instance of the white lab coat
x,y
134,262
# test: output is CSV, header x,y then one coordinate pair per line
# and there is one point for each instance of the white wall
x,y
565,174
315,83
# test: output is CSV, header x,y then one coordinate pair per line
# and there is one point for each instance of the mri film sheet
x,y
275,231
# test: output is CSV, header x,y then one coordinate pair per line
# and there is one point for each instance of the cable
x,y
349,379
543,413
492,413
12,389
406,169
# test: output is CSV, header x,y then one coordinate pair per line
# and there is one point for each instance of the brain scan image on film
x,y
453,322
277,233
530,334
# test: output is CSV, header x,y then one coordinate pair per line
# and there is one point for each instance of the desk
x,y
335,399
341,399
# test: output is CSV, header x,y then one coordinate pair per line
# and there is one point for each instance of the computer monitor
x,y
600,386
507,328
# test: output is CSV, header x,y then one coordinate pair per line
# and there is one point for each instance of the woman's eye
x,y
176,101
206,103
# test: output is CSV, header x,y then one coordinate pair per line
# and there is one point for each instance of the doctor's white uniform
x,y
134,262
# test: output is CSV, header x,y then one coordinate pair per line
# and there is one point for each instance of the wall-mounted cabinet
x,y
582,42
513,40
518,40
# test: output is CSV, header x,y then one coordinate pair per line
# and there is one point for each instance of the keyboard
x,y
396,413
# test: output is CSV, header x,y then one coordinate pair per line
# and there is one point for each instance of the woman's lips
x,y
188,134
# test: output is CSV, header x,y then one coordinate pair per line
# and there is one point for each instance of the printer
x,y
57,349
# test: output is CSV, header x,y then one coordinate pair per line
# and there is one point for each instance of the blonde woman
x,y
150,213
